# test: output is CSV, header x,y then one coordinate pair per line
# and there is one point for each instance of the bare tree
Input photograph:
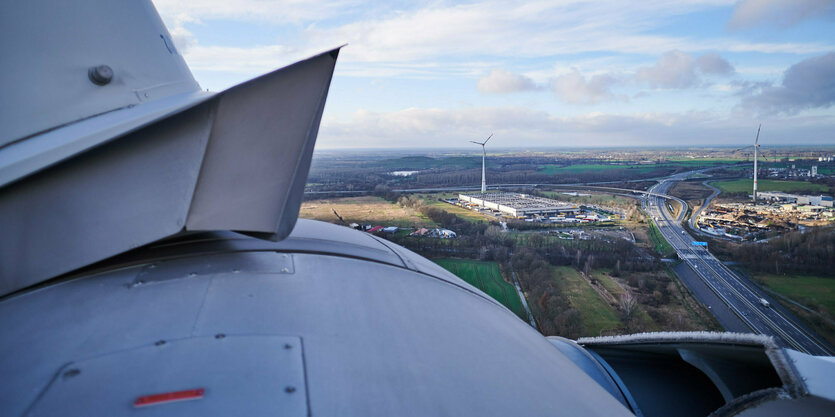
x,y
627,305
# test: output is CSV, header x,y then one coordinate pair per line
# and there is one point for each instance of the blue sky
x,y
435,74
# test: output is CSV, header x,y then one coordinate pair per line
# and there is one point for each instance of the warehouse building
x,y
518,205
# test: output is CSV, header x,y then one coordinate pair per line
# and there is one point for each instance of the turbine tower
x,y
483,159
756,145
756,149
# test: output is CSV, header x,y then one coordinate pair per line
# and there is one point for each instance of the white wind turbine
x,y
483,159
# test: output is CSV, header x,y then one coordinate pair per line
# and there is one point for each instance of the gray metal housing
x,y
373,329
89,171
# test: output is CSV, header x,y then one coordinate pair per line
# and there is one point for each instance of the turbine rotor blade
x,y
488,138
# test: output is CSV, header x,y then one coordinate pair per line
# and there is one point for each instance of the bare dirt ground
x,y
366,209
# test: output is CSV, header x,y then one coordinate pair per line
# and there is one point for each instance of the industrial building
x,y
519,205
819,200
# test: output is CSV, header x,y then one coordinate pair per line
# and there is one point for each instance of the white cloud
x,y
808,84
780,13
249,61
273,11
519,126
438,31
183,39
501,82
576,89
677,69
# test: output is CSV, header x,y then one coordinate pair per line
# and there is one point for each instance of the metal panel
x,y
378,339
25,157
240,375
259,153
235,263
237,163
120,196
49,46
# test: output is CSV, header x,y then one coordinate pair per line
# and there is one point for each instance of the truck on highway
x,y
765,303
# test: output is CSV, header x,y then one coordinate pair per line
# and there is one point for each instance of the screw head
x,y
100,74
159,343
220,336
288,346
290,390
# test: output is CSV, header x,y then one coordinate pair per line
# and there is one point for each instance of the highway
x,y
743,299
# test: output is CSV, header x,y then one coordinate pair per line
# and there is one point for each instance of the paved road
x,y
696,213
740,296
522,296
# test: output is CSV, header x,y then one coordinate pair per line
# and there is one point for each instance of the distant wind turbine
x,y
483,159
756,148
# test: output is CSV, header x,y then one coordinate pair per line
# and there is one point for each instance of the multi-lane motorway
x,y
742,298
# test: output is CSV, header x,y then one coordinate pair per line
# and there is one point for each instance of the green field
x,y
804,289
573,169
608,282
487,277
431,200
597,314
636,168
703,161
661,245
746,186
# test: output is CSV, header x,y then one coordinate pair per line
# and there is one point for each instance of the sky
x,y
567,73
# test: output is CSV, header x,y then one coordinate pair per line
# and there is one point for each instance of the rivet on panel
x,y
290,390
100,74
220,336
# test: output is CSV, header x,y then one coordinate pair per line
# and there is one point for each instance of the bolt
x,y
159,343
71,373
220,336
100,74
290,390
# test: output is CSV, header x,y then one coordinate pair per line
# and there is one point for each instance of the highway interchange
x,y
741,297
